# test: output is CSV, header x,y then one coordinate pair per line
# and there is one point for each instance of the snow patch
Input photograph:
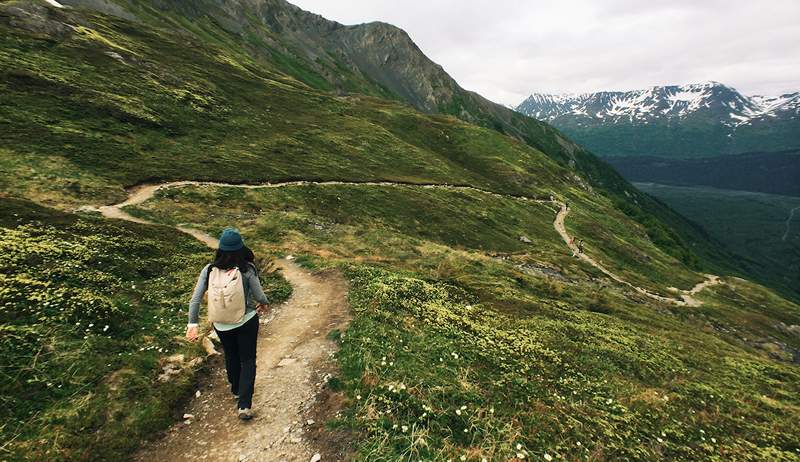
x,y
54,3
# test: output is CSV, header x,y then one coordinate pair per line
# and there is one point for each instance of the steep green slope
x,y
103,102
381,60
165,110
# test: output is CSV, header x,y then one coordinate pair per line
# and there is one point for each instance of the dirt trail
x,y
292,347
789,223
686,295
142,193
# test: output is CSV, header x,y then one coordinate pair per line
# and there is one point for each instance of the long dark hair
x,y
244,259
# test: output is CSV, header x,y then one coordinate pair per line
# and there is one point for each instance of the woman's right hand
x,y
192,333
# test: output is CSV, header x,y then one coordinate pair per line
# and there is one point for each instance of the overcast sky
x,y
506,49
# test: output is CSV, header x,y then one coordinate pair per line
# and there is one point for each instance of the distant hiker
x,y
580,246
234,297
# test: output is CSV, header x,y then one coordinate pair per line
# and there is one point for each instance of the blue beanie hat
x,y
230,240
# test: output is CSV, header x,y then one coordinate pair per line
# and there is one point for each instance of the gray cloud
x,y
506,49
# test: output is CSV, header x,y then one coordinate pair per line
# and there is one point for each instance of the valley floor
x,y
762,228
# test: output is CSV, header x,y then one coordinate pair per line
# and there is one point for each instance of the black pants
x,y
240,359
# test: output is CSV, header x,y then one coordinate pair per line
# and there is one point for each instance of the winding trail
x,y
293,352
145,192
293,349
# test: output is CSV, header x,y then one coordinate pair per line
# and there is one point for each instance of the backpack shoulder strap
x,y
207,269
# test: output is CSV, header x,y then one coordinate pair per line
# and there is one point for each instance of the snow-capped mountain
x,y
697,120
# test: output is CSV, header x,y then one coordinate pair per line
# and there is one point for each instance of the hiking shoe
x,y
245,414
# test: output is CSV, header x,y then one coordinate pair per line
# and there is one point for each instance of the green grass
x,y
89,309
434,374
177,112
360,221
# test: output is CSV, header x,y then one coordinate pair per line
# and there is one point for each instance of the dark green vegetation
x,y
94,103
755,226
770,172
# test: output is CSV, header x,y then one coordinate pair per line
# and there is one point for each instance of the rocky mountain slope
x,y
693,120
376,58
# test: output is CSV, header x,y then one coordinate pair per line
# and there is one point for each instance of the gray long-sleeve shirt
x,y
253,293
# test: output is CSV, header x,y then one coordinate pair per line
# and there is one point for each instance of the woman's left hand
x,y
262,308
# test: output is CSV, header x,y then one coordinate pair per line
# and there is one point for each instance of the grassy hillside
x,y
542,350
96,103
377,59
469,342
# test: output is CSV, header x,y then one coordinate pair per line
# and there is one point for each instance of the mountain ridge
x,y
373,58
693,120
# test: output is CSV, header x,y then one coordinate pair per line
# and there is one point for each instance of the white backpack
x,y
226,301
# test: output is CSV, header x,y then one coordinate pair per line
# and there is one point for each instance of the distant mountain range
x,y
696,120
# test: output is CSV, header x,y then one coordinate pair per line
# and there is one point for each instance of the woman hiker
x,y
234,298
